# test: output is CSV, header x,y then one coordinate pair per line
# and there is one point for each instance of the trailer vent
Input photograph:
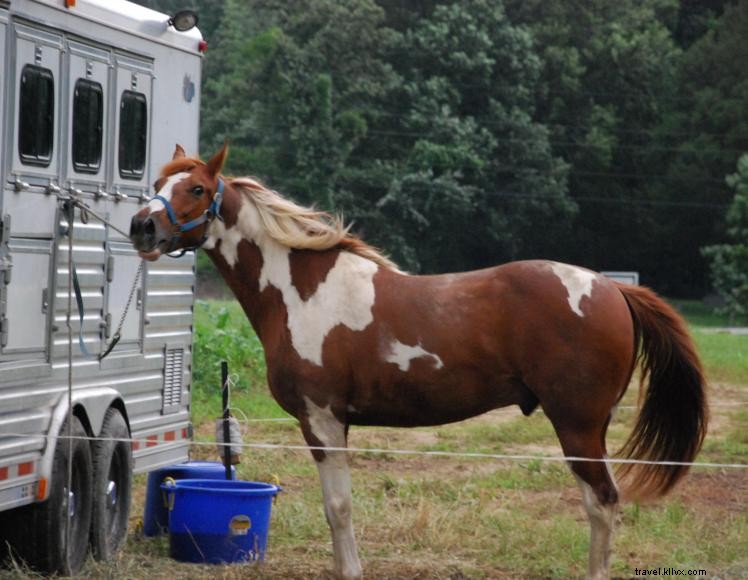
x,y
173,373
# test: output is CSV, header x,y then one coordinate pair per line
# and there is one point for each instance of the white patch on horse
x,y
324,425
166,191
578,283
401,355
346,296
230,238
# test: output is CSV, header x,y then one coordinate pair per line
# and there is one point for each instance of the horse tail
x,y
673,416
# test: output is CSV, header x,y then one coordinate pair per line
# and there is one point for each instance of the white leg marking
x,y
401,355
578,283
335,477
166,191
602,520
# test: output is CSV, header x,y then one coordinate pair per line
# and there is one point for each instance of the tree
x,y
729,262
476,182
702,132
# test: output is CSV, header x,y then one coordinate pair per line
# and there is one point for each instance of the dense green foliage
x,y
462,133
729,262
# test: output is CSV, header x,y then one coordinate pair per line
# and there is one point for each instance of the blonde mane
x,y
304,228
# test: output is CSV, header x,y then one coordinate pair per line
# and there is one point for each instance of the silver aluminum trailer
x,y
94,94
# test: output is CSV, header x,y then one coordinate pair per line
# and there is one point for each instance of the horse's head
x,y
188,197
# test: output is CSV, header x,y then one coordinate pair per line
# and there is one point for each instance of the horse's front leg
x,y
322,429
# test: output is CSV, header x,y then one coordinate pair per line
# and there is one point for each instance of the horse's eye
x,y
198,190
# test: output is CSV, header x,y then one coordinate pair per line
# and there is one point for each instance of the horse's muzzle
x,y
143,233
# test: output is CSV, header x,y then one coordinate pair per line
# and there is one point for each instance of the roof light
x,y
183,20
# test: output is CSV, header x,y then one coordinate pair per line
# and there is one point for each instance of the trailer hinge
x,y
5,229
110,269
4,331
107,325
6,267
45,300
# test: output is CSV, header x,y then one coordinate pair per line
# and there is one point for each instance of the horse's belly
x,y
408,403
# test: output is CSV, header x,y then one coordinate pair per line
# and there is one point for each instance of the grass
x,y
700,314
447,517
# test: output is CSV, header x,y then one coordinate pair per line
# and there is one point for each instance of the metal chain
x,y
85,209
129,301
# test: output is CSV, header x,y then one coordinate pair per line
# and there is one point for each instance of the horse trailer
x,y
94,94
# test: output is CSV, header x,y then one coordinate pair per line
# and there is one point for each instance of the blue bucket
x,y
155,513
218,521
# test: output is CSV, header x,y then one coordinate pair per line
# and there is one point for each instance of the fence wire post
x,y
226,415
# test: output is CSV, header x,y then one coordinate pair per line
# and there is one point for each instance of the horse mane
x,y
290,224
305,228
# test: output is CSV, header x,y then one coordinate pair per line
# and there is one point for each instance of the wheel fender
x,y
91,407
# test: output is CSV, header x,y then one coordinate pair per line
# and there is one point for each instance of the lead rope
x,y
85,210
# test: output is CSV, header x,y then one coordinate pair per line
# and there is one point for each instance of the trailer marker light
x,y
202,46
41,489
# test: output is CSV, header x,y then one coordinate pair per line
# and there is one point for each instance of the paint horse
x,y
349,339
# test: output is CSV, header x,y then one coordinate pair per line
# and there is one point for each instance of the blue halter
x,y
213,211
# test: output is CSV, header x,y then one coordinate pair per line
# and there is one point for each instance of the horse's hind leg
x,y
322,429
599,494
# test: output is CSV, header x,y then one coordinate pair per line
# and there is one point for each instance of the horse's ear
x,y
215,165
179,152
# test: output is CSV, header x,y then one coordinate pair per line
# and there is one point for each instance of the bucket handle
x,y
277,482
168,497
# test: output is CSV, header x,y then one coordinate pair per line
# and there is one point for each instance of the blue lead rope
x,y
79,303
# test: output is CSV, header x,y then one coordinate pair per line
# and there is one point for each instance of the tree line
x,y
462,134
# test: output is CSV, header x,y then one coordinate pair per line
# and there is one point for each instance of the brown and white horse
x,y
351,340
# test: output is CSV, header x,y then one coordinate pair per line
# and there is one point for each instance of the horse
x,y
350,339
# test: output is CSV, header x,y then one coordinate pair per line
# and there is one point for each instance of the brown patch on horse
x,y
309,268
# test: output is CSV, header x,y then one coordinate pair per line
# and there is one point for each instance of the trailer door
x,y
35,144
132,126
29,205
87,123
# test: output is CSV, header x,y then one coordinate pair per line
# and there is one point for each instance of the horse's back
x,y
465,343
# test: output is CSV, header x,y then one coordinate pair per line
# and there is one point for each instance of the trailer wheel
x,y
39,537
112,459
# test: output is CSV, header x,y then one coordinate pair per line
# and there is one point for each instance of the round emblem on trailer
x,y
188,89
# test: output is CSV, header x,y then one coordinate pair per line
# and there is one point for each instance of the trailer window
x,y
36,115
133,128
88,125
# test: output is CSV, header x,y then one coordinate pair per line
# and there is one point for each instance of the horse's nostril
x,y
149,227
136,226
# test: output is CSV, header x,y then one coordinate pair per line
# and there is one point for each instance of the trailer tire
x,y
38,535
112,484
